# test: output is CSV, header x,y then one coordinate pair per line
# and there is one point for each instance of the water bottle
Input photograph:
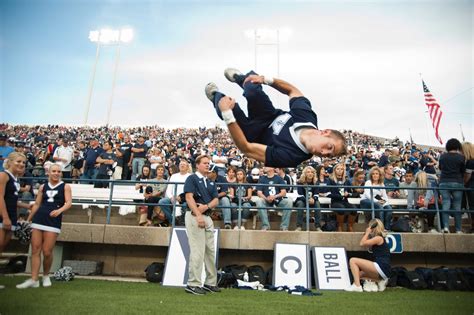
x,y
246,276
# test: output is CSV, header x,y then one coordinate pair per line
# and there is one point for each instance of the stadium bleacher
x,y
94,229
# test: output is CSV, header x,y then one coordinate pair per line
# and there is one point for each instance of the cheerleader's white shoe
x,y
30,283
354,288
46,281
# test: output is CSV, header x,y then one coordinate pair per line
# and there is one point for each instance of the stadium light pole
x,y
124,36
107,37
268,37
93,37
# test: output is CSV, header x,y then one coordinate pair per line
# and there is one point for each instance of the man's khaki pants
x,y
202,250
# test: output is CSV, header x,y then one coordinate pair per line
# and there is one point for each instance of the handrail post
x,y
109,209
239,207
436,196
372,204
173,217
307,207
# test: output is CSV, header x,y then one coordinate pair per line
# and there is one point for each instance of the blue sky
x,y
358,62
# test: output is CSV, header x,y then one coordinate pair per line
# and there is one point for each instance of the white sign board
x,y
291,265
177,260
330,268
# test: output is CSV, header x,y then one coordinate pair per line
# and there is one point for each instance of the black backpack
x,y
456,277
416,281
225,279
399,278
441,280
467,275
236,270
256,273
329,226
401,225
154,272
427,274
270,276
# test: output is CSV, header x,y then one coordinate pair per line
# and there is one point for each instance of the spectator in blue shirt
x,y
368,161
452,166
138,157
414,162
273,196
90,167
5,150
383,161
428,163
390,181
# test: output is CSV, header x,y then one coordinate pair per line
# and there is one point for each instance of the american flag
x,y
434,110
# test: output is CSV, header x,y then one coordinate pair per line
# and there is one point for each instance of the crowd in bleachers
x,y
89,153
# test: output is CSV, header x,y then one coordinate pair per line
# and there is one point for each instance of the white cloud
x,y
358,67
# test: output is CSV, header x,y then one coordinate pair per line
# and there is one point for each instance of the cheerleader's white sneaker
x,y
370,286
354,288
382,284
30,283
46,281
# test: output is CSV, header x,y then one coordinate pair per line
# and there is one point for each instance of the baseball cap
x,y
213,168
255,173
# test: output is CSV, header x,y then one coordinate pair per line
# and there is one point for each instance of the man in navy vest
x,y
269,135
201,197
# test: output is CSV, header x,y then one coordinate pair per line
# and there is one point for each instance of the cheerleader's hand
x,y
7,224
54,213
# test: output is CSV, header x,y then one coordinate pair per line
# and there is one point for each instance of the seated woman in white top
x,y
378,198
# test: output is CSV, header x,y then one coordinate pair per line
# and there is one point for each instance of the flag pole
x,y
427,126
462,133
435,111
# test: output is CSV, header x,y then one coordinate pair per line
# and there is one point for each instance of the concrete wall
x,y
260,240
128,260
127,250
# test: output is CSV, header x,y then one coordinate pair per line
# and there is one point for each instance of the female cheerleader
x,y
53,199
9,188
377,270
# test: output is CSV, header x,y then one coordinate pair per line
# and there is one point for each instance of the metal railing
x,y
110,202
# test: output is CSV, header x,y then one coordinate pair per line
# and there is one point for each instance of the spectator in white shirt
x,y
166,203
63,156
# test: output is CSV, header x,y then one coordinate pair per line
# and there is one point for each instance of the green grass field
x,y
109,297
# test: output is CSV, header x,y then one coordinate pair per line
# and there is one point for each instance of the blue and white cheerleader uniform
x,y
381,254
11,199
53,199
